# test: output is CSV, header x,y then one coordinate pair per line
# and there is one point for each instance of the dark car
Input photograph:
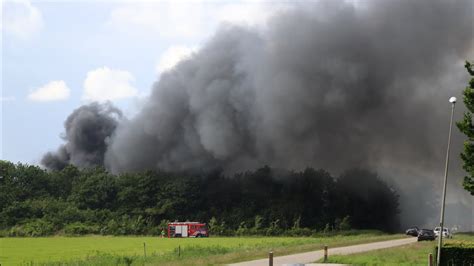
x,y
412,231
426,234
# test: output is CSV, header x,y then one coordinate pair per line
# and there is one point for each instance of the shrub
x,y
345,224
258,223
4,232
126,225
302,231
242,230
112,228
78,228
37,227
327,229
274,228
217,229
456,253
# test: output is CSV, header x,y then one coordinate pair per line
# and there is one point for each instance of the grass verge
x,y
106,250
413,254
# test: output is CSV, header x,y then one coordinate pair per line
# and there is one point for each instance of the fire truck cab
x,y
187,229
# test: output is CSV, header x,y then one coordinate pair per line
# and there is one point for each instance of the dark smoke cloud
x,y
325,84
88,131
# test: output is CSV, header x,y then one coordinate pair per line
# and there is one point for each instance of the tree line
x,y
266,201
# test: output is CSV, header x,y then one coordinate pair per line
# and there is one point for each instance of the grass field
x,y
413,254
108,250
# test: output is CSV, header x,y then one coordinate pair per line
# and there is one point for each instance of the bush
x,y
274,228
126,225
78,228
300,232
345,224
4,233
456,253
111,228
217,229
242,230
38,227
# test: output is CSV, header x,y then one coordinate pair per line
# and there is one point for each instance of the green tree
x,y
62,181
94,189
466,126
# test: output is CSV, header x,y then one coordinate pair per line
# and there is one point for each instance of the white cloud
x,y
188,19
254,14
105,84
164,19
172,56
20,19
53,91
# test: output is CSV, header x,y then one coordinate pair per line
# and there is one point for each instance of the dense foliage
x,y
466,126
457,253
266,201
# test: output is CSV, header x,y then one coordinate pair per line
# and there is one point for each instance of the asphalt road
x,y
309,257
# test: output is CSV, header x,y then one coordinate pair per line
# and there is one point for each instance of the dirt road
x,y
308,257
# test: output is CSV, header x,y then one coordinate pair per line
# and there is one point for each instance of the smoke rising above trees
x,y
88,131
328,85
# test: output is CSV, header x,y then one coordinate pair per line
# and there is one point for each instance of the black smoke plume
x,y
88,131
328,84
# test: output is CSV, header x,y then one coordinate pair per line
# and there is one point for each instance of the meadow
x,y
111,250
413,254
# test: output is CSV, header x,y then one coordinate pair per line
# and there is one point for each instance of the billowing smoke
x,y
328,84
88,131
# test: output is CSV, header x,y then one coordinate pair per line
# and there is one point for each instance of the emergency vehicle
x,y
187,229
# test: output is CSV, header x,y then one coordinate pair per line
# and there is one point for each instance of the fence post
x,y
325,253
430,259
144,249
179,251
270,258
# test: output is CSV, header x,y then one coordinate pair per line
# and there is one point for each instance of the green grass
x,y
413,254
108,250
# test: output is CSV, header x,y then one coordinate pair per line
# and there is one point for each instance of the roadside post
x,y
325,253
144,249
270,258
430,259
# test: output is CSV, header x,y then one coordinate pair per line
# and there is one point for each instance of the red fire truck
x,y
187,229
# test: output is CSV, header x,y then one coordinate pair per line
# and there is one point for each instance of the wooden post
x,y
179,251
325,253
270,258
430,259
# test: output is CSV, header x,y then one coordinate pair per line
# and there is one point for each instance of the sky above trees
x,y
60,55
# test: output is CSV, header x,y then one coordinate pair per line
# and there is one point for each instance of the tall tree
x,y
466,126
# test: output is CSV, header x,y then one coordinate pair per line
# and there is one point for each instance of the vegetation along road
x,y
110,250
312,256
412,254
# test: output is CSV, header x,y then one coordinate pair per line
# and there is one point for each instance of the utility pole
x,y
452,100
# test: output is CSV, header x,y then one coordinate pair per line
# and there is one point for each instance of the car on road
x,y
413,231
446,232
426,234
